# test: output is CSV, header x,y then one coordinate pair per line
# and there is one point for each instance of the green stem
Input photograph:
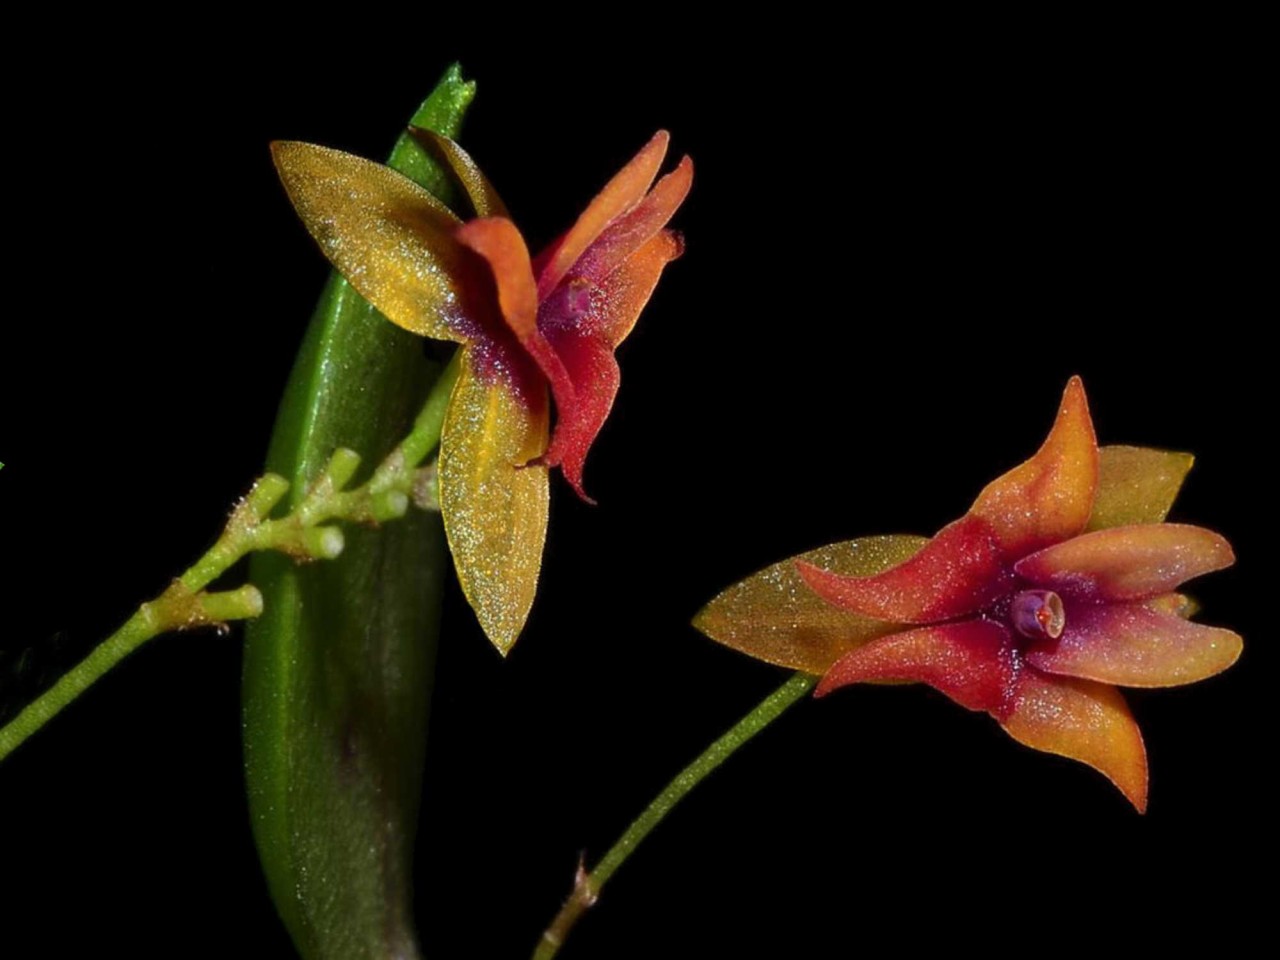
x,y
175,609
587,886
425,433
186,605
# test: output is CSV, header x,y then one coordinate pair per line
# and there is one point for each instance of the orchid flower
x,y
1057,587
525,325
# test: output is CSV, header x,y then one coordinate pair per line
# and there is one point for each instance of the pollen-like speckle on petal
x,y
390,238
494,509
775,616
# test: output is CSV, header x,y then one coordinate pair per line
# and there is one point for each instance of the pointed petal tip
x,y
573,478
674,187
1074,409
282,151
1135,788
1074,397
1073,392
1081,720
678,182
825,686
627,188
1050,497
700,619
576,483
570,469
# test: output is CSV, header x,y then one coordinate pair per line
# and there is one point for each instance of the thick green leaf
x,y
338,671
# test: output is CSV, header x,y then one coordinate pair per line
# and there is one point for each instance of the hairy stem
x,y
302,534
587,886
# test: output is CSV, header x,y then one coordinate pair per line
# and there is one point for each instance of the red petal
x,y
971,662
619,195
957,573
630,232
1048,498
497,240
1085,721
594,372
772,616
1133,645
1127,563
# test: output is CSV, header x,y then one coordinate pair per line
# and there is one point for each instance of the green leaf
x,y
339,669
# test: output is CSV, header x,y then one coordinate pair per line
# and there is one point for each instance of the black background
x,y
899,248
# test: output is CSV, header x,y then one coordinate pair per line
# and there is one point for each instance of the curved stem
x,y
587,886
186,604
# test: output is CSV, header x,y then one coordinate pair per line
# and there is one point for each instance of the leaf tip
x,y
701,620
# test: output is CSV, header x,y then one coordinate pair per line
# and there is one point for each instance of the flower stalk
x,y
587,886
306,533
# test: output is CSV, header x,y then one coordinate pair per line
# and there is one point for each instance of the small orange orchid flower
x,y
1053,590
525,325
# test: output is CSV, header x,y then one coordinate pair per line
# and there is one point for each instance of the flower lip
x,y
1038,614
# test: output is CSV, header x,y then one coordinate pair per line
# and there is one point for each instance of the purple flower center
x,y
1037,614
570,305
